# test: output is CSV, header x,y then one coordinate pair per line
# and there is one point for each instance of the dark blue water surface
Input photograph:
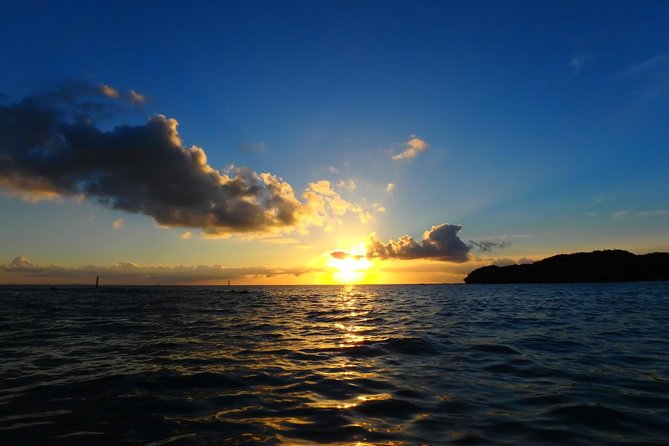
x,y
464,364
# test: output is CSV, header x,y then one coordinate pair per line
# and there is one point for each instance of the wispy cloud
x,y
343,255
132,96
390,187
646,66
653,213
488,245
118,224
348,185
257,147
136,98
650,80
413,147
110,92
578,63
379,207
186,235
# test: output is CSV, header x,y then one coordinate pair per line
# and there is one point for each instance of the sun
x,y
350,265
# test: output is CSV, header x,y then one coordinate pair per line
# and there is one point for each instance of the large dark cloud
x,y
439,243
51,146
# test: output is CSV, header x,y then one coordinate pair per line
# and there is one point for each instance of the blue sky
x,y
545,122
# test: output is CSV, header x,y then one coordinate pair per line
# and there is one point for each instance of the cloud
x,y
439,243
21,262
654,213
131,96
507,262
414,146
333,169
186,235
646,66
650,81
577,63
390,187
109,91
51,147
323,206
487,245
379,207
118,223
342,255
258,147
136,98
348,185
21,270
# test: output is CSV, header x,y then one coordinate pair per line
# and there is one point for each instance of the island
x,y
613,265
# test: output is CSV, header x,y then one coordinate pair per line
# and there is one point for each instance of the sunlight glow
x,y
352,268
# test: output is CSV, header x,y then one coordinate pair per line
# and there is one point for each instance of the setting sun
x,y
351,265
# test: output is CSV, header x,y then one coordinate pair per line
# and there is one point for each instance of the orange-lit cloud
x,y
379,207
414,146
132,96
348,185
109,91
323,206
136,98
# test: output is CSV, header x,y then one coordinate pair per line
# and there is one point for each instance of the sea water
x,y
463,364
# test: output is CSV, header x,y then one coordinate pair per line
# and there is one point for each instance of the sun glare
x,y
352,266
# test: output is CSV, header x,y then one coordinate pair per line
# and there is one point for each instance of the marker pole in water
x,y
97,281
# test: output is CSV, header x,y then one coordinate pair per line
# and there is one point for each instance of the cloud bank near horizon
x,y
23,270
50,147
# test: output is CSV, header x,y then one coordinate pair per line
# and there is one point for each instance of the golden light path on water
x,y
343,322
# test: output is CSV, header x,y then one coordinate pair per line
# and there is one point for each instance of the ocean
x,y
398,365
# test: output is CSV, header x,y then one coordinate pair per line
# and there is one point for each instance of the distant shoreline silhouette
x,y
598,266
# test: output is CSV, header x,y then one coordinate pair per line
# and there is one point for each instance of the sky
x,y
286,142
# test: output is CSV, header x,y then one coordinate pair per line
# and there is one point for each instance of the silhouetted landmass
x,y
598,266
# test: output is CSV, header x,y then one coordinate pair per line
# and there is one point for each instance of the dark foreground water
x,y
530,364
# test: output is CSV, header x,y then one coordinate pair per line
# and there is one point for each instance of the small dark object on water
x,y
97,281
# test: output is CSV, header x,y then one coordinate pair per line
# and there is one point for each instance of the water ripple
x,y
532,364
